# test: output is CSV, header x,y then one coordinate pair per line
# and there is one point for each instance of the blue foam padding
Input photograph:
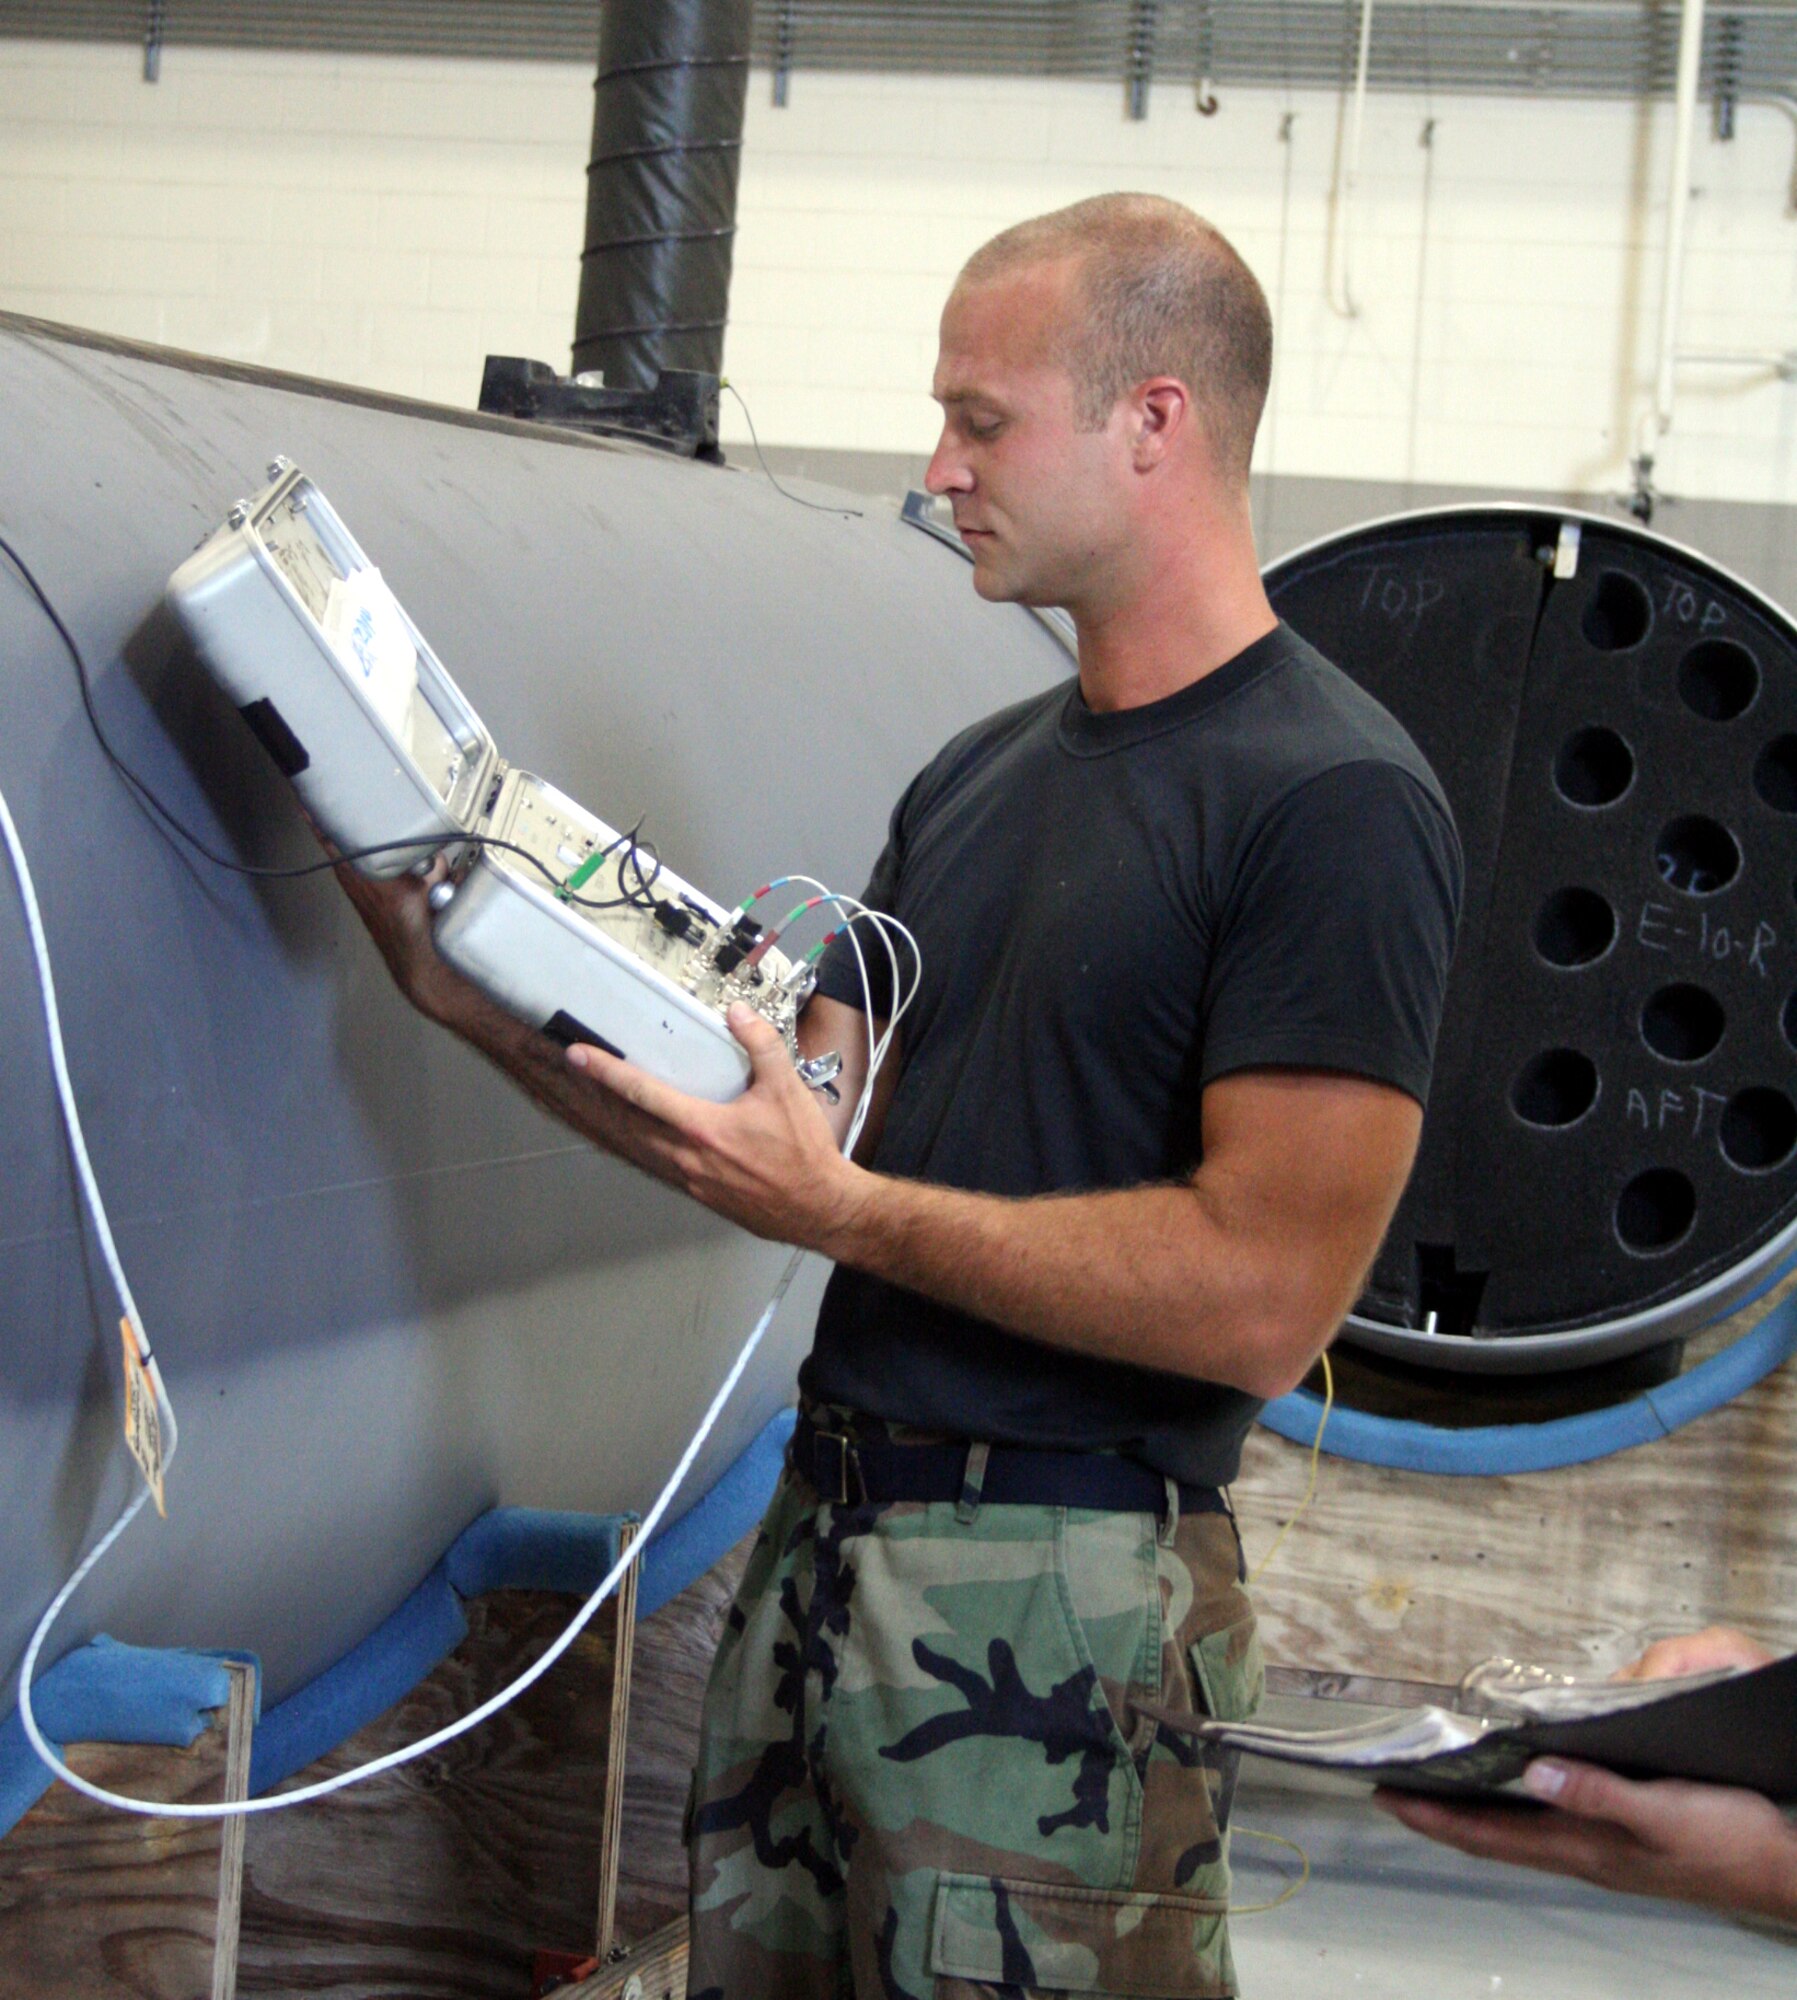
x,y
1724,1376
510,1548
367,1681
1498,1448
679,1555
105,1692
530,1548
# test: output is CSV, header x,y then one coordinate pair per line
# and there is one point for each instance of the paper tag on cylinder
x,y
143,1420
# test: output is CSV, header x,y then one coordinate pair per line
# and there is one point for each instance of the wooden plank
x,y
612,1819
98,1903
652,1970
439,1880
240,1717
1408,1577
673,1658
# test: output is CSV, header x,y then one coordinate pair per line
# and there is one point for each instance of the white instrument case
x,y
346,694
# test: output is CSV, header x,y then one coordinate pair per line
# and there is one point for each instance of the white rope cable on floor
x,y
854,912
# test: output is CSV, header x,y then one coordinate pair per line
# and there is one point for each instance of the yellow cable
x,y
1291,1888
1316,1454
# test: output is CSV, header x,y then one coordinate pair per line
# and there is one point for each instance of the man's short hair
x,y
1162,293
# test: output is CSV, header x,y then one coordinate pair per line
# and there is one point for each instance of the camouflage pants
x,y
921,1775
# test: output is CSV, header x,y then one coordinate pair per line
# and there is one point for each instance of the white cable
x,y
407,1753
854,910
71,1115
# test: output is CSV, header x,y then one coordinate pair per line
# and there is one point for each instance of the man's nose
x,y
946,472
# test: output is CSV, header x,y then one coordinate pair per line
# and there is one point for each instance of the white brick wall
x,y
391,222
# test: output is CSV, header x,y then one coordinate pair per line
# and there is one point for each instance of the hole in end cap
x,y
1618,614
1683,1023
1698,856
1574,927
1655,1211
1594,768
1759,1129
1554,1088
1775,774
1718,680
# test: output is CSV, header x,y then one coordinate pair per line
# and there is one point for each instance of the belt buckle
x,y
832,1454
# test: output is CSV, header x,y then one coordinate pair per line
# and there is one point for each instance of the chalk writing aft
x,y
1667,1109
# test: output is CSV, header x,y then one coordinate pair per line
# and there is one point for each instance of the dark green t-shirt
x,y
1113,910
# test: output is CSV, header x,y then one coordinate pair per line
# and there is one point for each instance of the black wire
x,y
642,896
427,844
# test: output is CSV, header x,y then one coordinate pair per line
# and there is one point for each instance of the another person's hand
x,y
1729,1850
1710,1844
1697,1653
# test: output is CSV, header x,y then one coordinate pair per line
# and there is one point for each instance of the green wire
x,y
584,873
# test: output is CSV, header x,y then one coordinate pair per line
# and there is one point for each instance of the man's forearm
x,y
1146,1275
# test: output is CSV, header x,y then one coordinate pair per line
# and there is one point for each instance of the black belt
x,y
849,1467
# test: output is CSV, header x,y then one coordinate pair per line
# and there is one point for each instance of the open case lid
x,y
305,633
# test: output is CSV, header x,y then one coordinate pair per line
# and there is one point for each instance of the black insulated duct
x,y
661,188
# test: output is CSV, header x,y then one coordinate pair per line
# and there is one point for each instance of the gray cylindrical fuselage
x,y
389,1293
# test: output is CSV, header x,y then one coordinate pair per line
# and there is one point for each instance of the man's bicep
x,y
1304,1168
1333,948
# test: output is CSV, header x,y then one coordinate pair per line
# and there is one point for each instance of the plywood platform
x,y
1412,1577
443,1877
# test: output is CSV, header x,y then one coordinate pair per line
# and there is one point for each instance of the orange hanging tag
x,y
143,1421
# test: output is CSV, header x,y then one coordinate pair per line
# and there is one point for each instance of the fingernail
x,y
1544,1780
578,1057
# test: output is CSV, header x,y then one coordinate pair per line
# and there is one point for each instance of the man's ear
x,y
1163,409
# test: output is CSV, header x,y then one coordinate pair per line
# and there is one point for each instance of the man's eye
x,y
987,430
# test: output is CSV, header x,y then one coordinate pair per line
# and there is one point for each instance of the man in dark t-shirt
x,y
1184,928
1115,910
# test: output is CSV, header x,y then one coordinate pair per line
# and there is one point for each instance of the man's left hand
x,y
766,1161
